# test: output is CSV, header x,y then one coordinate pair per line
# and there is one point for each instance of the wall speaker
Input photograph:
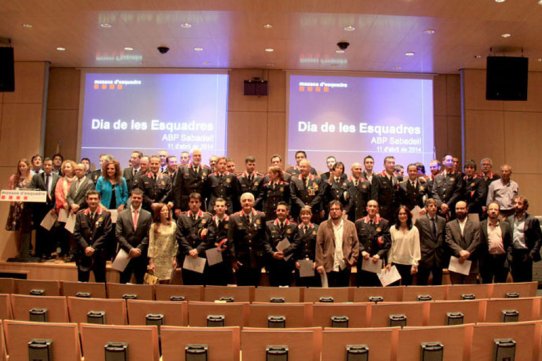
x,y
506,78
7,71
256,87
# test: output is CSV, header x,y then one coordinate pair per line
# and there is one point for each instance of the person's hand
x,y
174,263
236,265
177,213
423,212
120,208
365,255
89,251
278,255
203,233
413,270
74,208
151,266
320,269
464,254
170,205
376,258
134,253
297,265
193,253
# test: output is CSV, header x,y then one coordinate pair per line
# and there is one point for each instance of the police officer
x,y
225,185
274,190
359,189
250,180
155,185
305,190
190,179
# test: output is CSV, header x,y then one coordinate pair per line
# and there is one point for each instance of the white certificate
x,y
282,245
114,215
323,278
370,266
390,276
214,256
462,268
70,223
48,221
62,215
121,260
415,213
194,264
305,268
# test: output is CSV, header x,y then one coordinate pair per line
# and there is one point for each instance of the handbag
x,y
150,279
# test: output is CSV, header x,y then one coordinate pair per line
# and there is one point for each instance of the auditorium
x,y
248,84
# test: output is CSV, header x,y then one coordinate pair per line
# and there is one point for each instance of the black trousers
x,y
340,278
96,264
279,272
137,267
494,268
422,278
522,266
367,279
219,274
248,276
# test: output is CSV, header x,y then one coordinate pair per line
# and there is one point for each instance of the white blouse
x,y
405,246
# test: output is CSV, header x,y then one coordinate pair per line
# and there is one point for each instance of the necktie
x,y
135,218
48,184
281,226
434,227
306,228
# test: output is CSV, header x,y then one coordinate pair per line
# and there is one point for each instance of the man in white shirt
x,y
495,246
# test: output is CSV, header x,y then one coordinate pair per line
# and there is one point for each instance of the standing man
x,y
155,185
447,188
94,175
374,242
191,236
384,190
280,264
250,180
295,170
217,236
359,189
184,159
503,191
305,190
163,154
434,169
190,179
433,248
246,235
495,246
413,190
368,164
45,181
77,193
330,163
131,172
172,167
474,189
274,190
463,240
337,247
526,239
132,232
92,229
223,184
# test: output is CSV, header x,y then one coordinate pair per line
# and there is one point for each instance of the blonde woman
x,y
20,215
163,246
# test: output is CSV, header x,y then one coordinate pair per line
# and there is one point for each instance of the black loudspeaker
x,y
7,71
256,87
506,78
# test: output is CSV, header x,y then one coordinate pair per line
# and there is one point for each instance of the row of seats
x,y
272,315
268,294
69,342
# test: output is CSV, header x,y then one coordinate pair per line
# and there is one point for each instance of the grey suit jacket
x,y
470,241
433,248
78,196
129,238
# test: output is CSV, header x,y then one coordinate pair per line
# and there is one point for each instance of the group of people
x,y
167,213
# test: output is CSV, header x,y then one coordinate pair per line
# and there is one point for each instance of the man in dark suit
x,y
221,273
156,186
463,240
132,232
305,190
77,193
486,177
359,189
495,246
45,181
474,189
447,188
190,179
223,184
250,180
280,264
131,172
246,236
413,190
431,228
92,228
337,247
384,190
191,236
526,240
374,242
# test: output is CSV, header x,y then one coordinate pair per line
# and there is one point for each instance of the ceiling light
x,y
106,25
61,48
410,53
269,50
539,2
268,26
349,28
539,59
339,51
128,48
478,56
27,26
430,31
198,49
500,1
506,35
186,25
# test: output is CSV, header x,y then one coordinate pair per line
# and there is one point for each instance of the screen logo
x,y
116,84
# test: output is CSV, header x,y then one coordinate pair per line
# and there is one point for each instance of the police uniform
x,y
448,188
225,186
335,190
385,191
305,192
251,183
270,196
156,188
219,274
374,238
360,194
474,194
189,236
305,241
246,235
413,195
189,179
295,171
280,271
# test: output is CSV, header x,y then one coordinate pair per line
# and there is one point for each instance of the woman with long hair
x,y
405,246
20,214
67,169
112,186
163,246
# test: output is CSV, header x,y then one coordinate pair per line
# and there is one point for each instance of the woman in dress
x,y
67,169
112,186
162,250
20,214
405,246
